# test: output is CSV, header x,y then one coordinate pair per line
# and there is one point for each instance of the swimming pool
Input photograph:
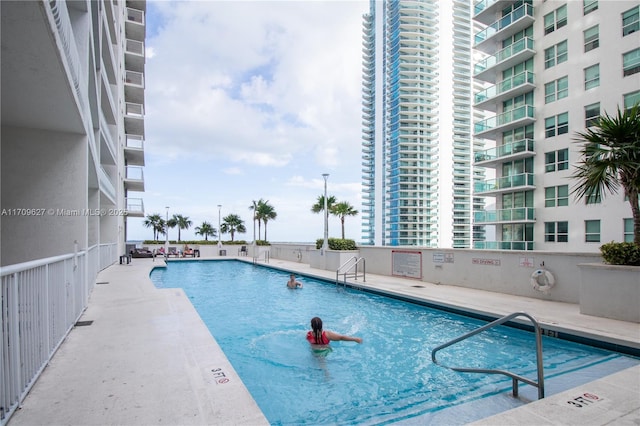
x,y
261,325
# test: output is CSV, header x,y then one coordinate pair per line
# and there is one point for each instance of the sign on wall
x,y
407,264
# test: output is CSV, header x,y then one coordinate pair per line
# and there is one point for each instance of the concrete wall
x,y
45,172
506,272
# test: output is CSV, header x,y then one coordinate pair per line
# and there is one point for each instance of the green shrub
x,y
337,244
621,253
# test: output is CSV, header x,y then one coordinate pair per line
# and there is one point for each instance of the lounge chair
x,y
173,252
242,251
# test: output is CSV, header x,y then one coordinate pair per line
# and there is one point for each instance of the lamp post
x,y
325,243
219,231
166,233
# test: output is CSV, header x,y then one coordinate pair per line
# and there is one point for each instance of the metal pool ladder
x,y
350,269
514,377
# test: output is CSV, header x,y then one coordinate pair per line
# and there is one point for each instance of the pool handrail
x,y
540,367
350,265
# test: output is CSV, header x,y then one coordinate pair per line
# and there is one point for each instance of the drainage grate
x,y
102,282
418,286
83,323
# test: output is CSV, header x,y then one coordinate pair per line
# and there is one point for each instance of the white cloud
x,y
252,99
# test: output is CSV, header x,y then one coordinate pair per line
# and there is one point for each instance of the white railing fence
x,y
40,302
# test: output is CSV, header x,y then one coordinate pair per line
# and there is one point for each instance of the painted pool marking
x,y
584,400
220,376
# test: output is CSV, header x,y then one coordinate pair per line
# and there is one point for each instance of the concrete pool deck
x,y
147,358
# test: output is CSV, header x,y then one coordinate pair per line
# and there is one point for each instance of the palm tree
x,y
182,222
206,229
319,205
255,207
232,224
611,158
266,213
342,210
152,221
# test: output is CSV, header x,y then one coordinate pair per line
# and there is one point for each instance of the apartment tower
x,y
72,126
417,153
551,69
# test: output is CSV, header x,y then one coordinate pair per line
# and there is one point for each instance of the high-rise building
x,y
72,127
553,68
417,125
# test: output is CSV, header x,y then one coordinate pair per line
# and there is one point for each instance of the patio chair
x,y
242,251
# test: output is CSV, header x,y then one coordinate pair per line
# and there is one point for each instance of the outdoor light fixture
x,y
325,243
166,233
219,231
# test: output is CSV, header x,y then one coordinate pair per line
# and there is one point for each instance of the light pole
x,y
166,233
325,243
219,231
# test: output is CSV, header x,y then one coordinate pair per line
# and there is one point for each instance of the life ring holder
x,y
542,280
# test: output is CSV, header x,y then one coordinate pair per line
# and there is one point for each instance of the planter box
x,y
331,259
610,291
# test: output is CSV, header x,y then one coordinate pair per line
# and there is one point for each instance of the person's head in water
x,y
316,327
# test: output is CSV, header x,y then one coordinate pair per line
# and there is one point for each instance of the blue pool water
x,y
261,325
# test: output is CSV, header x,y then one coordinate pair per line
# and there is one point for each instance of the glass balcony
x,y
509,88
516,117
516,149
134,180
517,52
506,26
135,207
484,9
520,214
504,184
503,245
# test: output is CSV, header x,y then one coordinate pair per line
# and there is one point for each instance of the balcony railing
x,y
504,183
504,119
135,15
135,173
504,54
504,22
482,5
135,207
520,214
506,150
518,80
503,245
134,110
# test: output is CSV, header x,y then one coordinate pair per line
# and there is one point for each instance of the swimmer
x,y
320,339
293,283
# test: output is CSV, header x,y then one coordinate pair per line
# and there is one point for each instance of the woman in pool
x,y
320,339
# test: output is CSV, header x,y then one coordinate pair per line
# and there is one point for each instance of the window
x,y
591,38
591,114
628,230
556,90
555,54
556,231
556,160
589,6
631,62
556,196
592,231
593,199
556,125
630,99
631,21
555,20
592,77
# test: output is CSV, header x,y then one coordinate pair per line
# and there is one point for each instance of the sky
x,y
250,100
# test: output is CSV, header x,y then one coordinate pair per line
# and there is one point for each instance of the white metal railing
x,y
40,301
515,378
350,269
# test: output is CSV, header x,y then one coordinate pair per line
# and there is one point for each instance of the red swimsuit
x,y
311,338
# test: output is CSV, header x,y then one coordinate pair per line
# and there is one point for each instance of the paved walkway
x,y
148,359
